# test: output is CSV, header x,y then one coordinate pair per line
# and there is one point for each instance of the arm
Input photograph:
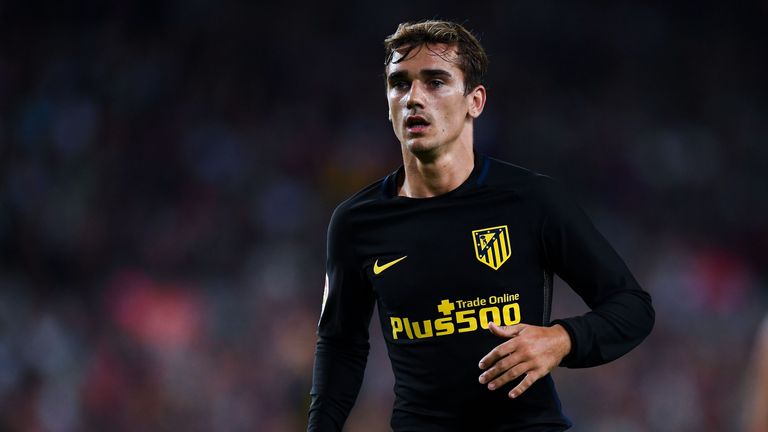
x,y
621,313
342,345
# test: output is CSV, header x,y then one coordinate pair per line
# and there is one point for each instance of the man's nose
x,y
415,95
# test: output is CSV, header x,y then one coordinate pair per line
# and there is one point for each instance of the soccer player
x,y
458,251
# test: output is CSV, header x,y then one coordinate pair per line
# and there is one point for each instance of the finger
x,y
501,366
506,347
498,353
505,331
530,378
511,374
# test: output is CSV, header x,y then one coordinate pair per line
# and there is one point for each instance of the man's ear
x,y
476,101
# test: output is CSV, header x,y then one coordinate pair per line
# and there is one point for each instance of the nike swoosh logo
x,y
380,268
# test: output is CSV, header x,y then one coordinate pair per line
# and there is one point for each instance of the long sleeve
x,y
621,313
342,346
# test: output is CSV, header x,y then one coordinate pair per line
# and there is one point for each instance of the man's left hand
x,y
530,350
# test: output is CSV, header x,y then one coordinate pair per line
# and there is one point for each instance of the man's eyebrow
x,y
397,75
433,73
428,73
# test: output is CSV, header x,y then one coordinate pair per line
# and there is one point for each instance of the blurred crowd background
x,y
168,170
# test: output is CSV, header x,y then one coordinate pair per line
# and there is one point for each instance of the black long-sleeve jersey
x,y
442,268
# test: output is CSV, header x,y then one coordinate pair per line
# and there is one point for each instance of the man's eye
x,y
400,85
436,83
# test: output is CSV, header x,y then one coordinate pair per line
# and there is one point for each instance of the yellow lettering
x,y
462,321
427,329
509,320
397,326
443,326
407,326
484,316
470,320
504,298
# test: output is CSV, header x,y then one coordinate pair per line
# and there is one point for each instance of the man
x,y
458,251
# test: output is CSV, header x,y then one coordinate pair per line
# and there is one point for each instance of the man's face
x,y
427,104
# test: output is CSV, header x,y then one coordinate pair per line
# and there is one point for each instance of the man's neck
x,y
425,178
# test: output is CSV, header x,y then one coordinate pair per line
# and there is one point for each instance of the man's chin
x,y
423,150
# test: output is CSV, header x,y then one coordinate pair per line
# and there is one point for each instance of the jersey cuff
x,y
570,358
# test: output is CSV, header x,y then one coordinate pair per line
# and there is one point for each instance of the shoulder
x,y
365,196
508,176
350,210
545,193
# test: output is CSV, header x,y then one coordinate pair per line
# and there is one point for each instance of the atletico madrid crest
x,y
492,245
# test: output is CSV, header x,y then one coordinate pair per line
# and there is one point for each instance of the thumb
x,y
505,331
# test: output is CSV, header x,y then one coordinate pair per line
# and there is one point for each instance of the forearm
x,y
613,327
621,313
338,375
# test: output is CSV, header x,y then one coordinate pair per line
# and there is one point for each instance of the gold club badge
x,y
492,245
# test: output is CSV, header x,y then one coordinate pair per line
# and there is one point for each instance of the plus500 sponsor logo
x,y
459,321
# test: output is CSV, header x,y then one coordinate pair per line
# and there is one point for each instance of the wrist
x,y
564,340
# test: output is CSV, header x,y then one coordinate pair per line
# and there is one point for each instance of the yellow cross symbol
x,y
445,307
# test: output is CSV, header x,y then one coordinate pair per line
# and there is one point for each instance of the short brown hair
x,y
473,61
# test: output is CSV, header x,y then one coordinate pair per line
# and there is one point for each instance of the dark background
x,y
168,169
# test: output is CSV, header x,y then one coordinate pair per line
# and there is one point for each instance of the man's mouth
x,y
416,124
